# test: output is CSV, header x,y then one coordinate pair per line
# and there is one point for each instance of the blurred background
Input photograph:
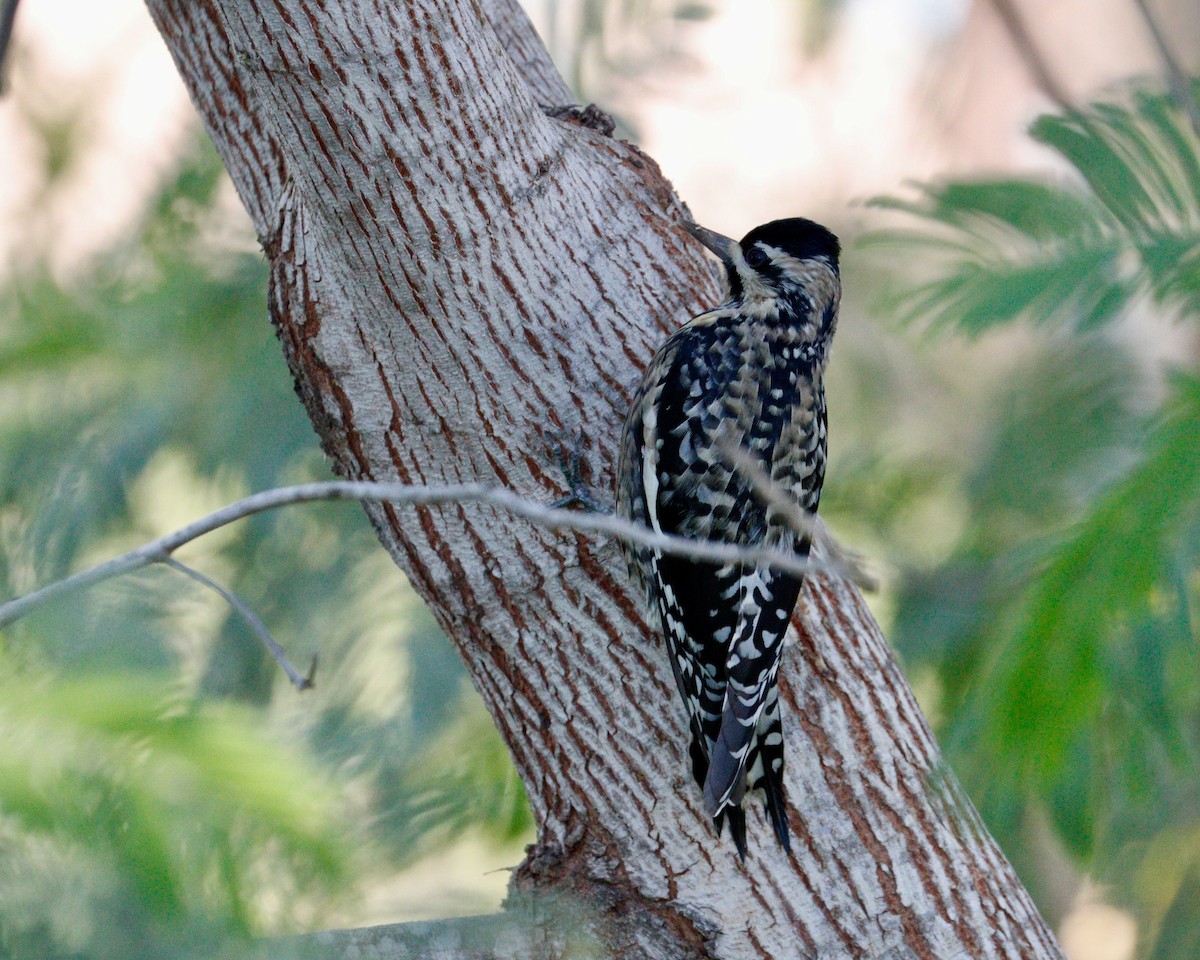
x,y
1015,429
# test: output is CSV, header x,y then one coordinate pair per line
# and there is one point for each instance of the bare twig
x,y
795,516
1028,51
8,14
299,681
1181,84
158,551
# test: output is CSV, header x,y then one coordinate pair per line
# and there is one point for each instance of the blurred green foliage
x,y
161,787
155,764
127,813
1060,619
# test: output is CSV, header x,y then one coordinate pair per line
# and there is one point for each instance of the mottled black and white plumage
x,y
746,375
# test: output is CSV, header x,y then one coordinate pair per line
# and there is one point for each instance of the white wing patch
x,y
650,457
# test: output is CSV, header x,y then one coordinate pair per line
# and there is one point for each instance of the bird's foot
x,y
567,450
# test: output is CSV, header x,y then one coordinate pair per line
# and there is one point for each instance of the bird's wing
x,y
646,440
748,752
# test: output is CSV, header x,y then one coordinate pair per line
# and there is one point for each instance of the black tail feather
x,y
763,777
777,806
737,816
766,768
699,759
737,827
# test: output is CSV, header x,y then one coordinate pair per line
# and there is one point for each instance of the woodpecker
x,y
745,375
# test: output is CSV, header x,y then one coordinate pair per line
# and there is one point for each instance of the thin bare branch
x,y
8,15
1027,49
158,551
795,516
253,621
1181,85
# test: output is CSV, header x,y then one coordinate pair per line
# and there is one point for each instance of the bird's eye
x,y
757,257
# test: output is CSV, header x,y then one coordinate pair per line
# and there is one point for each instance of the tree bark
x,y
454,272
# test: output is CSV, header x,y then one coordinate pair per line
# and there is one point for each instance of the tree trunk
x,y
456,272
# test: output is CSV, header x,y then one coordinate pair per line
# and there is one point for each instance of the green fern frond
x,y
1071,253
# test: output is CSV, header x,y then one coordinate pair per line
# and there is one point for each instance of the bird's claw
x,y
567,450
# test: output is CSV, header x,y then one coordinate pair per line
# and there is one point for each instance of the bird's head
x,y
785,266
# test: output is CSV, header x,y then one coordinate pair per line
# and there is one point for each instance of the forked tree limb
x,y
453,272
828,558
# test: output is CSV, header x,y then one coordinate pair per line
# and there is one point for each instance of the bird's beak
x,y
722,246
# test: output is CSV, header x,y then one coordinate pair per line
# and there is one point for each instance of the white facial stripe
x,y
775,253
815,274
753,286
793,268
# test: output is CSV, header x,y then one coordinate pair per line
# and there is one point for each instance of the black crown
x,y
802,239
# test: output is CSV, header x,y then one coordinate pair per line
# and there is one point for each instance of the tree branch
x,y
300,681
516,935
160,550
1027,49
527,52
8,16
1181,85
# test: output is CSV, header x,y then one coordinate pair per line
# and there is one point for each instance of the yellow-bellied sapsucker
x,y
747,374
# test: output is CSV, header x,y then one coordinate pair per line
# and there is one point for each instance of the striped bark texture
x,y
457,269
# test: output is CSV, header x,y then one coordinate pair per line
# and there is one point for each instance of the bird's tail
x,y
735,815
765,771
725,783
748,755
737,827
